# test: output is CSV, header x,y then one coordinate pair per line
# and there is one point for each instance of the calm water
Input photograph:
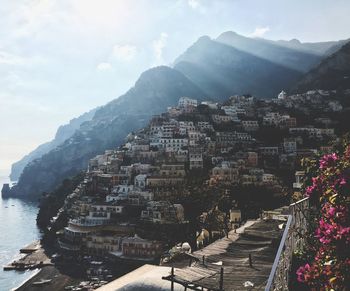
x,y
17,229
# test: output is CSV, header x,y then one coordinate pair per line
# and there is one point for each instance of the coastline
x,y
37,272
47,271
58,281
21,232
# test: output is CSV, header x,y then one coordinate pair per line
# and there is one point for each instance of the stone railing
x,y
292,239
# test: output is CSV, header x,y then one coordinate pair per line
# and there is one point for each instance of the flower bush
x,y
329,190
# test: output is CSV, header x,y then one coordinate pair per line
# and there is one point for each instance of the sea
x,y
17,229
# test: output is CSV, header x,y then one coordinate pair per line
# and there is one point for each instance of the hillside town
x,y
203,183
196,173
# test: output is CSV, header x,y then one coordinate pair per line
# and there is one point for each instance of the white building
x,y
140,181
250,125
185,102
335,106
268,178
101,210
282,95
122,189
210,104
163,212
269,151
173,144
196,160
205,126
289,145
218,118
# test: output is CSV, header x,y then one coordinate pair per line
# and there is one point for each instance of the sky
x,y
61,58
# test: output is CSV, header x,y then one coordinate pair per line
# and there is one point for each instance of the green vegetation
x,y
50,203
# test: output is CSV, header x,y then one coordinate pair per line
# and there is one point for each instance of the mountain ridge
x,y
220,71
107,129
296,59
232,71
63,133
333,73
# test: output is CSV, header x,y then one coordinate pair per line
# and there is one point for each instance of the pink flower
x,y
310,190
328,160
343,182
301,272
331,211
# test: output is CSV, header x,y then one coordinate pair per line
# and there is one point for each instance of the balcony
x,y
68,246
88,222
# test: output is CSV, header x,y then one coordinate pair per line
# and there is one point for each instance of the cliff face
x,y
155,90
63,133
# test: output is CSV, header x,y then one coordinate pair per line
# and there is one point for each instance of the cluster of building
x,y
142,182
311,101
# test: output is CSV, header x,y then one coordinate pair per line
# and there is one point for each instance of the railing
x,y
88,222
68,246
292,238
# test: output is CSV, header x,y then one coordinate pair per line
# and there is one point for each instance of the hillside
x,y
209,69
156,89
333,73
222,70
295,58
63,133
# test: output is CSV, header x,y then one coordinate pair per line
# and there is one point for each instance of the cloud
x,y
10,59
260,31
197,6
34,16
158,46
104,67
125,52
194,4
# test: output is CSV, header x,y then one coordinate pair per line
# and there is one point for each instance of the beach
x,y
58,280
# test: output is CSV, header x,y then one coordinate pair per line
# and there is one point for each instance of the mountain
x,y
284,55
222,70
319,48
154,91
63,133
333,73
210,69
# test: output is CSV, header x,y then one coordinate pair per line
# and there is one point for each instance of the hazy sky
x,y
61,58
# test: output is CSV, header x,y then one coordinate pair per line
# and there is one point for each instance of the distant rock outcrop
x,y
5,191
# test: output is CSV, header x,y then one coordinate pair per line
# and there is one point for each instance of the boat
x,y
42,282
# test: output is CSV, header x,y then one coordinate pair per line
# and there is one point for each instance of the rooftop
x,y
259,240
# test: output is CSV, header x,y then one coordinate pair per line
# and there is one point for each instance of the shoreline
x,y
36,273
31,257
34,253
56,280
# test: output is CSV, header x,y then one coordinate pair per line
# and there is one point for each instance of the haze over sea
x,y
17,229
